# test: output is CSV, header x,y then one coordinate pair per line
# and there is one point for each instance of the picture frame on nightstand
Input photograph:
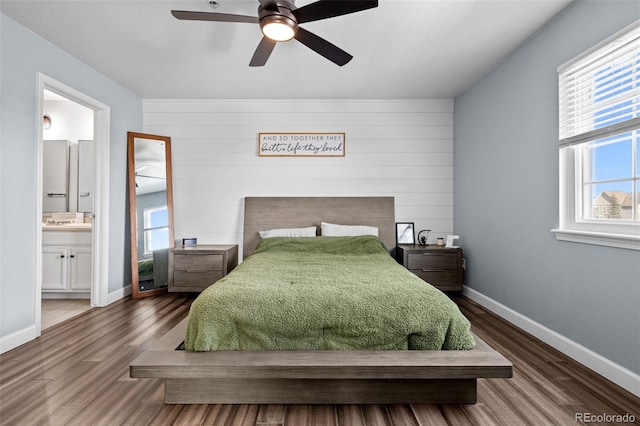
x,y
405,233
189,241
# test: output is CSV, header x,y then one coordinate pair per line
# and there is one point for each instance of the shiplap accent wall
x,y
400,148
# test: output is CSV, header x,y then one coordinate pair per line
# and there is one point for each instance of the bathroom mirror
x,y
150,212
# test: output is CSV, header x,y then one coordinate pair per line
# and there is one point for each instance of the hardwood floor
x,y
55,311
76,373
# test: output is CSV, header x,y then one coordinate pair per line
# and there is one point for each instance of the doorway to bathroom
x,y
72,208
67,209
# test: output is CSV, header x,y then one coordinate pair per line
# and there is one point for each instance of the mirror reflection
x,y
151,212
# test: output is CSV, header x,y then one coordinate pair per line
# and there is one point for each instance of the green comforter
x,y
145,267
324,293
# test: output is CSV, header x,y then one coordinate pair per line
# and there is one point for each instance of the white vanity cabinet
x,y
54,268
66,263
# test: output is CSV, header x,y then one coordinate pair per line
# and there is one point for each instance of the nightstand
x,y
194,268
439,266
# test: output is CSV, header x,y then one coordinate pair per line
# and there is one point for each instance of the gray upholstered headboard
x,y
262,213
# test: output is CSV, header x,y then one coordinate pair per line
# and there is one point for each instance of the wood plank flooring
x,y
76,373
55,311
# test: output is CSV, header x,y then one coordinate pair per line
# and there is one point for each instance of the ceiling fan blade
x,y
211,16
262,53
324,9
149,176
323,47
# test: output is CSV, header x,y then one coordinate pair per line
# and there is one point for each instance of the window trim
x,y
619,235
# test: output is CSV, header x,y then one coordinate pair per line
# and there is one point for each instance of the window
x,y
599,145
156,229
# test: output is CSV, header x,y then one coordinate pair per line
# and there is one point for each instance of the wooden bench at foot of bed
x,y
317,377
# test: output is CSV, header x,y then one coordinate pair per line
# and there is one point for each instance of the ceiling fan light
x,y
278,28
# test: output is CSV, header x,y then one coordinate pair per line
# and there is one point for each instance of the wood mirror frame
x,y
145,167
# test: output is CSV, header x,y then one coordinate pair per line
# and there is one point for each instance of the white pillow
x,y
333,230
289,232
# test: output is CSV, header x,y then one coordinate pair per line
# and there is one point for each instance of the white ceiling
x,y
403,49
150,166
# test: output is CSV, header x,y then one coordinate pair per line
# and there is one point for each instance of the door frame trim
x,y
101,167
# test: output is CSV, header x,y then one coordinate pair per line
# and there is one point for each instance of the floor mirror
x,y
150,212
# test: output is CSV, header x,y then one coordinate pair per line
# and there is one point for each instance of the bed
x,y
324,293
352,374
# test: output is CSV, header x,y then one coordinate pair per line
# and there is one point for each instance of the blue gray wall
x,y
506,195
24,54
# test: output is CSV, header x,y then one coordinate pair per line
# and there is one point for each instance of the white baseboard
x,y
619,375
65,295
28,334
121,293
18,338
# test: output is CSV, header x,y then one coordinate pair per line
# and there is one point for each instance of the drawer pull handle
x,y
54,194
433,270
432,254
199,271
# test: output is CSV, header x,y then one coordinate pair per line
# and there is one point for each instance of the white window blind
x,y
600,89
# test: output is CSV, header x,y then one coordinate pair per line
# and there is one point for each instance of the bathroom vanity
x,y
66,261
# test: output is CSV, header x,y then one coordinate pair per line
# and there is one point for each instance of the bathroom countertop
x,y
67,227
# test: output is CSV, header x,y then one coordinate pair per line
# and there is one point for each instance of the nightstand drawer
x,y
195,278
431,261
194,268
440,279
439,266
197,262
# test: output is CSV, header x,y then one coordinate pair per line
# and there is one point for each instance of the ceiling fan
x,y
279,20
138,174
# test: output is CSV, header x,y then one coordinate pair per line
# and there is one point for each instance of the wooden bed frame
x,y
317,377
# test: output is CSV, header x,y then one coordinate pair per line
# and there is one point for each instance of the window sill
x,y
631,242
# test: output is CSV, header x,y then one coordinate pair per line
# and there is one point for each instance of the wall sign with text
x,y
301,144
